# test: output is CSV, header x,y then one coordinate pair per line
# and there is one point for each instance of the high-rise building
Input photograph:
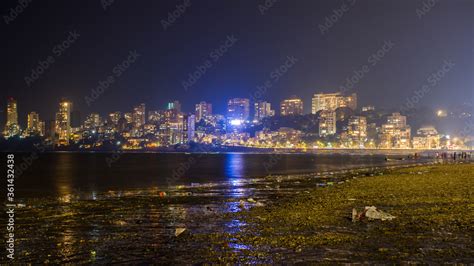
x,y
155,117
357,130
115,117
189,127
292,106
93,121
238,109
174,105
139,115
203,110
395,133
63,123
128,117
327,123
11,126
332,101
262,110
34,126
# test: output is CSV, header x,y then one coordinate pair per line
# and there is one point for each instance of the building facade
x,y
332,101
292,106
238,109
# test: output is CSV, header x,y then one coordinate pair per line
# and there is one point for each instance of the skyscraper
x,y
174,105
203,109
238,109
262,110
139,115
34,126
292,106
115,117
327,123
63,123
11,126
332,101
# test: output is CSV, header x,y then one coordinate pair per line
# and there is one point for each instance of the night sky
x,y
422,43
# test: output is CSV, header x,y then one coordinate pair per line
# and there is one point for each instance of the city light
x,y
236,122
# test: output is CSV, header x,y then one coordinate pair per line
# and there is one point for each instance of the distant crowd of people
x,y
454,155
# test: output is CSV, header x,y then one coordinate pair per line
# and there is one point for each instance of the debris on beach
x,y
371,213
178,231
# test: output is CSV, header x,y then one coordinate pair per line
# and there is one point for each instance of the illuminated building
x,y
172,128
395,133
238,109
357,130
203,110
327,123
332,101
426,138
284,137
292,106
189,129
155,117
368,108
63,123
35,126
128,117
115,117
93,121
11,126
139,116
175,105
262,110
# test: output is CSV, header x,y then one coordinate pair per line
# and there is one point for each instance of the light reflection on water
x,y
115,224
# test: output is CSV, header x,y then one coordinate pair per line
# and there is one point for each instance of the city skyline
x,y
340,122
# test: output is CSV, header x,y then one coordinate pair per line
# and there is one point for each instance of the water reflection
x,y
234,170
234,165
64,168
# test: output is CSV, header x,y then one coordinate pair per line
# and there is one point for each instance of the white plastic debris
x,y
371,213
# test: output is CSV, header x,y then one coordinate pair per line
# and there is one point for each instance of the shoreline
x,y
432,202
263,151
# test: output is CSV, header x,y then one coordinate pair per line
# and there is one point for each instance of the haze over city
x,y
102,35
